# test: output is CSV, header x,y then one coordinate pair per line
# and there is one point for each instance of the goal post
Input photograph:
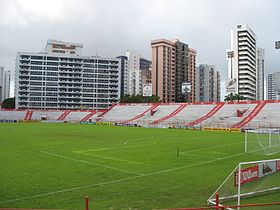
x,y
266,141
250,182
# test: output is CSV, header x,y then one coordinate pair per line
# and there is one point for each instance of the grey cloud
x,y
110,27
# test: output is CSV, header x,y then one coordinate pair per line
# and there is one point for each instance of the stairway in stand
x,y
172,114
142,114
28,115
209,114
86,118
250,116
64,115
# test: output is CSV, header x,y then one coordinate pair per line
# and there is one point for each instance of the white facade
x,y
207,84
64,48
4,84
60,81
134,84
273,86
242,61
260,74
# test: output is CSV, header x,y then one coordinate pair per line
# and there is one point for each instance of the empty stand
x,y
88,116
76,116
254,113
189,114
268,117
156,113
125,112
64,115
52,115
230,114
209,114
150,110
12,115
262,114
172,114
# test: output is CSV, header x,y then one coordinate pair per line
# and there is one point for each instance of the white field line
x,y
118,180
111,158
212,147
91,163
202,156
123,146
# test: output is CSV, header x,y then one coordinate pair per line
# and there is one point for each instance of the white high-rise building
x,y
133,74
260,74
242,72
4,84
65,79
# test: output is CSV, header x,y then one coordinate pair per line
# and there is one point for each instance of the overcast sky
x,y
110,27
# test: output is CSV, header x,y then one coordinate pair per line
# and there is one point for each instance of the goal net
x,y
266,141
250,182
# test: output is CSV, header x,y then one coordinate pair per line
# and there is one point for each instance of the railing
x,y
218,206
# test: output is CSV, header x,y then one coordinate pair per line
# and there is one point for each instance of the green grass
x,y
55,166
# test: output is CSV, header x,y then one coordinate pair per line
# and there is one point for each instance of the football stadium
x,y
221,155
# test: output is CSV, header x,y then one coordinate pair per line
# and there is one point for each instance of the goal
x,y
266,141
250,182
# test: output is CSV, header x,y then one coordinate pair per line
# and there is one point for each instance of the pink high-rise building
x,y
173,64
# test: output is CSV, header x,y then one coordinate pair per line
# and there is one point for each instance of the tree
x,y
8,103
139,99
235,97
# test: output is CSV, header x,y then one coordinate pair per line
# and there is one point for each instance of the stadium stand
x,y
89,116
172,114
253,114
51,115
124,112
209,114
268,117
157,113
228,115
189,114
150,110
64,115
76,116
12,115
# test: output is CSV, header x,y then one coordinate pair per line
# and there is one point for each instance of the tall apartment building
x,y
146,71
61,78
123,74
163,69
4,84
208,83
192,73
173,64
273,86
135,71
242,72
260,74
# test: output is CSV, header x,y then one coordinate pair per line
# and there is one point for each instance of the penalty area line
x,y
118,180
91,163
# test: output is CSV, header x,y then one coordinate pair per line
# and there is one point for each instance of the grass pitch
x,y
54,166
